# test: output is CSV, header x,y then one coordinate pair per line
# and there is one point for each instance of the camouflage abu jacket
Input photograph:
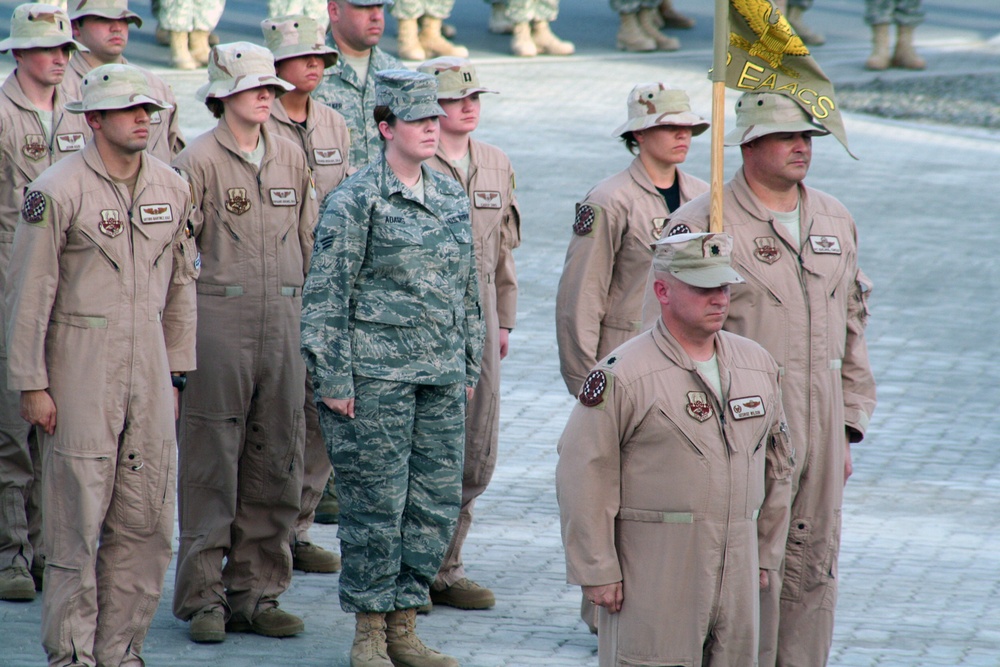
x,y
392,292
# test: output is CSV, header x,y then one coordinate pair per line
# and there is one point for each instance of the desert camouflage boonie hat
x,y
115,86
239,66
108,9
38,26
409,95
653,104
701,259
456,77
759,114
294,36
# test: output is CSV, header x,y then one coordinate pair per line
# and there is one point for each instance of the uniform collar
x,y
12,89
93,159
390,183
225,137
279,114
79,64
637,170
669,346
473,153
748,202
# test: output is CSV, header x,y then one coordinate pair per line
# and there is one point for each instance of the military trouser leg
x,y
414,9
524,11
809,587
631,6
108,527
188,15
316,469
398,467
901,12
18,471
314,9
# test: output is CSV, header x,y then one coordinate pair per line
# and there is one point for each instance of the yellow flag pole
x,y
720,51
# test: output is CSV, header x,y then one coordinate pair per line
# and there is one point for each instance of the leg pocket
x,y
142,484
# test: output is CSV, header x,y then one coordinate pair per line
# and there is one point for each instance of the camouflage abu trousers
x,y
398,468
188,15
901,12
523,11
414,9
631,6
314,9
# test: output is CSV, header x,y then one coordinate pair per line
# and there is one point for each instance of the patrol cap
x,y
239,66
409,95
115,86
759,114
38,26
653,104
108,9
700,259
456,77
296,35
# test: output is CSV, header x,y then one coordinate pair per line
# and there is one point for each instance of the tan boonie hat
x,y
702,259
115,86
759,114
294,36
456,77
108,9
239,66
409,95
37,26
653,104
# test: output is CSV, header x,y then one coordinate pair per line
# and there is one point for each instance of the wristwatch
x,y
178,380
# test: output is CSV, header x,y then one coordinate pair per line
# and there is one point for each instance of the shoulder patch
x,y
592,392
588,216
34,208
679,229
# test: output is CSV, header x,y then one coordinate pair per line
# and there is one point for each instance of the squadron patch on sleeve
x,y
33,208
592,392
679,229
586,217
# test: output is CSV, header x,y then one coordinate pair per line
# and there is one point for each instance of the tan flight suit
x,y
165,138
496,231
326,143
808,308
660,482
25,152
101,309
242,431
599,302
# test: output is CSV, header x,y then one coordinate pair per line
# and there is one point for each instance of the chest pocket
x,y
394,228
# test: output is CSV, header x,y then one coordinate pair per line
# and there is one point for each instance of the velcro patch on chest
x,y
237,202
111,222
34,147
766,249
747,407
825,245
155,213
283,197
698,405
327,156
486,199
71,142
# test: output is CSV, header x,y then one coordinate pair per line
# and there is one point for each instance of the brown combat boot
x,y
208,626
905,55
809,36
546,41
521,43
180,56
879,59
16,584
404,646
631,36
671,18
464,594
198,45
328,509
368,649
309,557
647,21
435,44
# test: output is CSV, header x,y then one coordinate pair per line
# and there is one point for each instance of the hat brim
x,y
420,111
684,119
222,89
118,102
741,135
328,55
463,93
126,15
708,277
40,43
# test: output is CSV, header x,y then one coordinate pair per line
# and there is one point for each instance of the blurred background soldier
x,y
420,25
35,132
528,23
98,387
102,26
314,9
640,23
300,57
487,176
356,26
242,429
190,24
907,15
661,473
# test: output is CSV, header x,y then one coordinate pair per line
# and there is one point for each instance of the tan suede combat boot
x,y
208,626
546,41
521,43
671,18
368,649
180,56
631,36
435,44
879,59
404,646
309,557
647,21
408,40
198,45
809,36
16,584
905,55
464,594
